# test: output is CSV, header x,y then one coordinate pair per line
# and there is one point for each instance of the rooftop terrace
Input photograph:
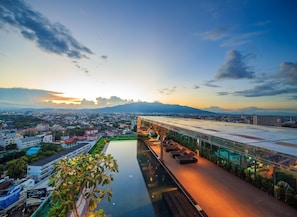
x,y
279,139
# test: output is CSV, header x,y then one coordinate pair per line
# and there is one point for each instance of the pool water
x,y
138,186
32,150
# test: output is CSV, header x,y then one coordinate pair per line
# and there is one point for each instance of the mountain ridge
x,y
155,107
134,107
253,111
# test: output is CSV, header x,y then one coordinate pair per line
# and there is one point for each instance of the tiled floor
x,y
221,194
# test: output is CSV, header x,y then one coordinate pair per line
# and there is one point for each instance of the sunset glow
x,y
202,54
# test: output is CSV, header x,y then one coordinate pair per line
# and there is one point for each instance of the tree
x,y
11,146
76,181
17,168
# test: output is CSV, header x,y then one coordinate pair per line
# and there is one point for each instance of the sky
x,y
205,54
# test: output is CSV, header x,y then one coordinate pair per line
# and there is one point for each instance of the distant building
x,y
65,137
133,123
267,120
43,127
28,142
91,131
42,169
8,137
46,138
56,127
29,131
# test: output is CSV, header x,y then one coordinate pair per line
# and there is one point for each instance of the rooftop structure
x,y
276,139
54,157
13,193
263,155
42,169
28,142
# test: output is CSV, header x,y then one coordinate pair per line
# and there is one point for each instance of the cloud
x,y
235,67
196,87
112,101
261,78
283,82
271,88
288,72
222,93
210,84
263,23
215,34
87,103
167,91
85,70
228,39
32,25
31,97
34,98
240,39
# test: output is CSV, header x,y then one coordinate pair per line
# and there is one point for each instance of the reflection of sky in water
x,y
130,197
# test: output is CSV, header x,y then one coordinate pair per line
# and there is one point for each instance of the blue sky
x,y
95,53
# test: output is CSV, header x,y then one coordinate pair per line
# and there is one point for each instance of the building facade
x,y
7,137
28,142
267,120
265,156
42,169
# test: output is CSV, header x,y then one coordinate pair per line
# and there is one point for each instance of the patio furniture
x,y
180,152
187,158
171,147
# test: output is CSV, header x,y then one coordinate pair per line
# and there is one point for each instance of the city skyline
x,y
202,54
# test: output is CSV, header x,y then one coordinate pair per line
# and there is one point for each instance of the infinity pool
x,y
138,187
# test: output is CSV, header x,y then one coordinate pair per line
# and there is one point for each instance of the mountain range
x,y
253,111
145,107
160,108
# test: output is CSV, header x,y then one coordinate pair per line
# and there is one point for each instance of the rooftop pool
x,y
139,186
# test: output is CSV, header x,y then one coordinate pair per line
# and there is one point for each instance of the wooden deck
x,y
220,193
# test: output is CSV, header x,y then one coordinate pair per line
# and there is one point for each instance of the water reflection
x,y
139,187
130,196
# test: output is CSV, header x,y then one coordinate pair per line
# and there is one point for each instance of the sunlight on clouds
x,y
189,54
58,98
63,101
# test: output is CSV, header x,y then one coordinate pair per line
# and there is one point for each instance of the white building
x,y
42,169
7,138
28,142
267,120
46,138
57,127
91,131
43,127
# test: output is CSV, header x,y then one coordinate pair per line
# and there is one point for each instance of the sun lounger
x,y
157,139
167,142
178,152
187,158
171,147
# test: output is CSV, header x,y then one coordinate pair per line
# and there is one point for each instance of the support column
x,y
162,138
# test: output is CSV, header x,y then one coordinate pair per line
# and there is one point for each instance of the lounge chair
x,y
171,147
187,158
167,142
157,139
181,152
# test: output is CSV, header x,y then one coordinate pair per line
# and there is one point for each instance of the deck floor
x,y
221,194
